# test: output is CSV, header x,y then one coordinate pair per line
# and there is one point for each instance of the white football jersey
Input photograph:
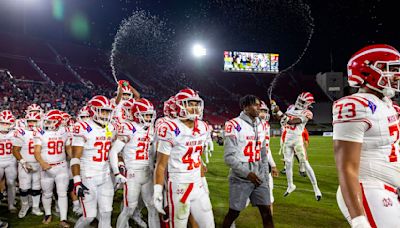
x,y
52,143
96,143
184,147
6,147
249,141
24,138
294,132
137,142
267,129
69,132
364,118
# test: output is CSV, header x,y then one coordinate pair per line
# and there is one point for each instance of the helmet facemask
x,y
32,124
50,125
302,104
389,79
5,127
102,115
146,118
191,109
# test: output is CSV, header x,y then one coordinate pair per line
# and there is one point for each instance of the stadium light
x,y
199,50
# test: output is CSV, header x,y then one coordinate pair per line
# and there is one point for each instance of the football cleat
x,y
289,190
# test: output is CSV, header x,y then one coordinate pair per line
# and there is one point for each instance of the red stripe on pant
x,y
367,209
83,207
172,217
126,194
187,193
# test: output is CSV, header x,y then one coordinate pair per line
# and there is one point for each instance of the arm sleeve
x,y
117,146
350,131
165,139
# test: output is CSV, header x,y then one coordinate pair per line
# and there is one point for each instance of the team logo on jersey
x,y
88,129
41,131
372,106
387,202
22,132
133,130
177,131
238,128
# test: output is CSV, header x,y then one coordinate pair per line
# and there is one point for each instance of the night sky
x,y
341,27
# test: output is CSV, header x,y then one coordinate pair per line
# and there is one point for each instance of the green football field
x,y
299,209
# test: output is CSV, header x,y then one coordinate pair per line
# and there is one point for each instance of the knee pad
x,y
24,192
47,195
36,192
61,194
128,210
11,183
299,148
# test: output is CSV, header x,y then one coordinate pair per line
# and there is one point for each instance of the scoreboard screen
x,y
238,61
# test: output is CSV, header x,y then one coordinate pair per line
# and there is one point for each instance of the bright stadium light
x,y
198,50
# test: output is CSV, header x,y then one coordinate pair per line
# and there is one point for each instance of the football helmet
x,y
170,107
304,101
126,93
32,120
182,101
127,109
264,107
101,109
141,109
34,108
7,121
66,118
52,120
84,113
377,67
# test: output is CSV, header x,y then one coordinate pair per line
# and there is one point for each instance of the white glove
x,y
158,198
205,184
360,222
120,179
26,166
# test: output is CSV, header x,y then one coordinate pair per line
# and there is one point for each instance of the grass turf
x,y
299,209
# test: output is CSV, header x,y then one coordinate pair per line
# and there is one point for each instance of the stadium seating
x,y
57,73
20,68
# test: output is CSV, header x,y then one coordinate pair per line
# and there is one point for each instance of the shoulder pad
x,y
82,128
352,109
168,126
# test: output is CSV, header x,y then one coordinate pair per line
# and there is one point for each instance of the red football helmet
x,y
377,67
182,101
126,93
34,108
142,109
7,121
52,120
101,109
127,109
170,107
32,120
84,113
66,118
304,100
266,109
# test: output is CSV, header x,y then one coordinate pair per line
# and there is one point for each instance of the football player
x,y
294,121
365,137
133,139
245,152
28,167
49,144
90,166
8,164
180,144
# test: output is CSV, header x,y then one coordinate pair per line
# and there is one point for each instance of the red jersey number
x,y
5,148
103,149
349,108
143,152
394,132
187,158
252,151
55,147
